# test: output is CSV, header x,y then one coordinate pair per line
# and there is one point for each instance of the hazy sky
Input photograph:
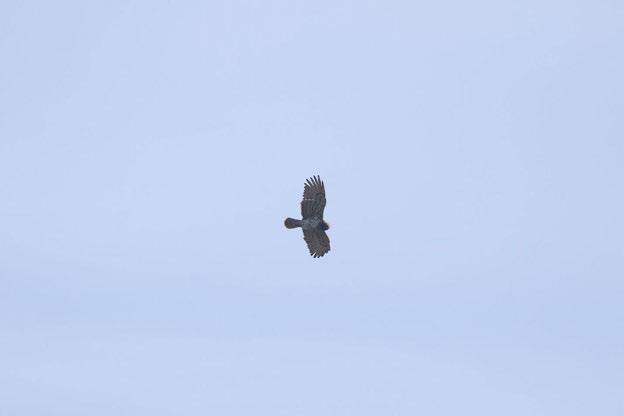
x,y
473,155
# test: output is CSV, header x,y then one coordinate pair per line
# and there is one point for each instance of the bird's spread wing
x,y
313,202
318,242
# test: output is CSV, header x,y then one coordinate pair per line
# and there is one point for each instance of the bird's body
x,y
312,223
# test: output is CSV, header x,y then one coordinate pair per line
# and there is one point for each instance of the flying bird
x,y
312,224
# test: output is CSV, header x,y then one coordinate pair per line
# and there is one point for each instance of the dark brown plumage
x,y
312,223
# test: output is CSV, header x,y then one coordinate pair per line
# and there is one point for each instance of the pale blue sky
x,y
473,154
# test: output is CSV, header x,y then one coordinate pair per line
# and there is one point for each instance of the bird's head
x,y
325,226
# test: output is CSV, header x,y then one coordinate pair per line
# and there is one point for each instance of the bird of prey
x,y
312,223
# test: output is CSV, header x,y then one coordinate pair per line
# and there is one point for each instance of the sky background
x,y
473,155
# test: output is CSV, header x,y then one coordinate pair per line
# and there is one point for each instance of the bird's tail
x,y
292,223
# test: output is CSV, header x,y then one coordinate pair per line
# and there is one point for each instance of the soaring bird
x,y
312,223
